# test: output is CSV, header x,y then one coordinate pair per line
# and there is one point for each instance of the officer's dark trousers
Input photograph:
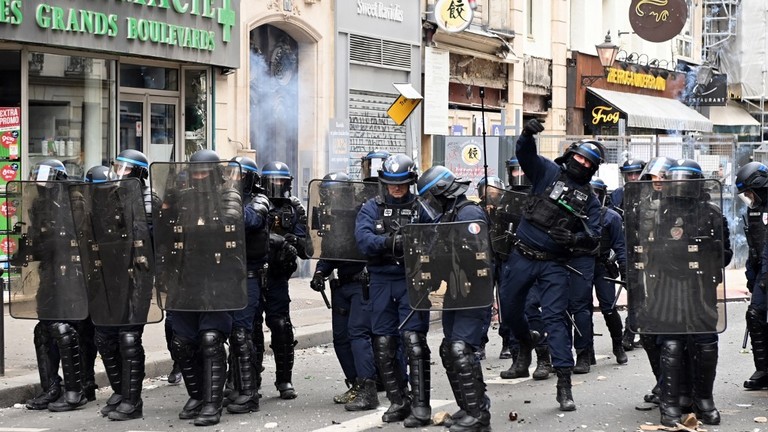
x,y
351,325
276,313
518,277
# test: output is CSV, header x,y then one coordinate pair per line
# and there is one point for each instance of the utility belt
x,y
347,279
259,274
533,253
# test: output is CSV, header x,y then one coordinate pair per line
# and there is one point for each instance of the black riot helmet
x,y
249,174
681,174
516,178
398,169
100,174
441,182
204,171
276,180
131,163
591,151
752,184
656,167
483,183
631,169
371,164
48,170
336,186
600,189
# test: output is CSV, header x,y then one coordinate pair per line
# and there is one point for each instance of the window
x,y
529,18
70,110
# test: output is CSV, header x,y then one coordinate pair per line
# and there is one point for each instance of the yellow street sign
x,y
404,105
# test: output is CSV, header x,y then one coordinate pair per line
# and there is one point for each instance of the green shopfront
x,y
82,80
89,78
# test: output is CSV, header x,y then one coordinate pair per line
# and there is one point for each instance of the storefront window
x,y
70,110
149,77
195,110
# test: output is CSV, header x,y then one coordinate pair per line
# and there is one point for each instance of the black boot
x,y
108,346
185,353
132,352
453,380
257,357
582,361
69,349
282,346
613,322
543,363
671,372
47,367
214,358
365,398
519,368
705,359
418,354
564,395
472,390
758,334
506,352
653,351
385,352
349,395
243,379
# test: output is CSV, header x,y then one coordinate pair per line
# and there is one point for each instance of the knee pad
x,y
755,316
41,334
130,344
211,343
239,342
416,345
183,349
64,334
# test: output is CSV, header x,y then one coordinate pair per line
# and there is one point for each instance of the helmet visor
x,y
44,174
122,169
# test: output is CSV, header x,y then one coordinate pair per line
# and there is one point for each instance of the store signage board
x,y
453,16
658,20
404,105
197,31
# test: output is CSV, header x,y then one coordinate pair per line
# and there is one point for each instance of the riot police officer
x,y
752,187
199,243
61,293
377,230
350,321
630,171
132,163
463,329
612,263
561,214
244,376
678,298
288,240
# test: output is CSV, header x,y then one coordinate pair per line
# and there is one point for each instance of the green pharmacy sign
x,y
198,31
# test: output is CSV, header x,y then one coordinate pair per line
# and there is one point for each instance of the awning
x,y
641,111
731,115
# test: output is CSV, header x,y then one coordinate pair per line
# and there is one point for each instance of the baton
x,y
575,327
621,283
413,311
325,299
569,267
746,338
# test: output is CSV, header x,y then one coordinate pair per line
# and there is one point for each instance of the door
x,y
149,124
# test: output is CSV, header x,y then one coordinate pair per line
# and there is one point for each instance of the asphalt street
x,y
606,397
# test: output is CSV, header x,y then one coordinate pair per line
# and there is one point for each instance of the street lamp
x,y
606,52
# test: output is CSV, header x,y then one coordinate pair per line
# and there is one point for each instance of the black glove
x,y
288,253
751,285
291,238
260,205
318,282
532,127
623,272
394,242
562,236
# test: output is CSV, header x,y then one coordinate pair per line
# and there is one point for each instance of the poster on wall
x,y
10,129
464,157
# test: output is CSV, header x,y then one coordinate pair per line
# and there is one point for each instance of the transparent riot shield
x,y
333,207
448,265
505,209
199,236
116,246
46,275
675,254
